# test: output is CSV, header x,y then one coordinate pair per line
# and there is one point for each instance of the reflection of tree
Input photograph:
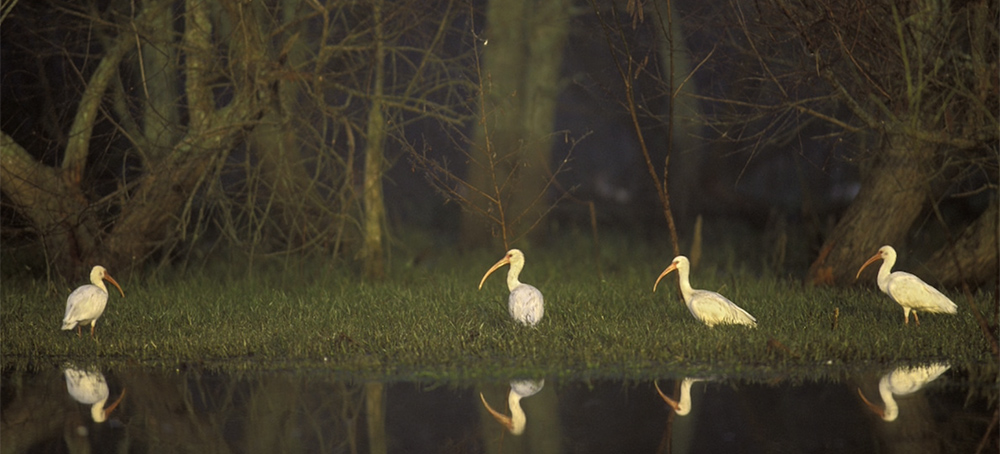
x,y
375,415
189,412
34,411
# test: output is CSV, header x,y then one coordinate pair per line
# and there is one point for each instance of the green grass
x,y
429,321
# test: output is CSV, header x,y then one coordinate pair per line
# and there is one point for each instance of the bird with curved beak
x,y
900,382
525,303
519,389
86,303
90,388
906,289
683,405
708,307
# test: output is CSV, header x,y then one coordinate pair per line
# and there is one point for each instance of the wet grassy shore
x,y
427,319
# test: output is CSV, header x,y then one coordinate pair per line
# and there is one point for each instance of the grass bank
x,y
428,320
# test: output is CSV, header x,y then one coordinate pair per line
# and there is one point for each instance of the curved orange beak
x,y
110,279
673,266
875,408
504,261
869,262
673,403
503,419
107,411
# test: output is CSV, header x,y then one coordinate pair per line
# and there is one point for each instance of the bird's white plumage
x,y
900,382
525,303
909,291
519,389
86,304
708,307
90,388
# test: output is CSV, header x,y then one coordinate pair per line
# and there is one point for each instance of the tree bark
x,y
374,203
164,193
512,142
685,153
972,258
55,206
891,197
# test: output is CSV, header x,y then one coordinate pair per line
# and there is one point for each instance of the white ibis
x,y
709,307
87,302
525,302
90,388
900,382
683,405
906,289
519,389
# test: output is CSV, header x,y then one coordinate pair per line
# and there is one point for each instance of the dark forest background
x,y
143,135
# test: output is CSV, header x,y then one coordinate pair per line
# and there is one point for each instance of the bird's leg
x,y
79,332
906,315
92,325
915,318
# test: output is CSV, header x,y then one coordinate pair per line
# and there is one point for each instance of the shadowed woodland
x,y
142,135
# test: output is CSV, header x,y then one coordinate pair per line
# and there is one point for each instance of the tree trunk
x,y
546,34
890,199
520,74
163,197
497,133
56,207
972,258
374,203
149,217
685,153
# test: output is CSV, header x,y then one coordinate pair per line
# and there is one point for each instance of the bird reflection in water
x,y
90,388
900,382
519,389
682,406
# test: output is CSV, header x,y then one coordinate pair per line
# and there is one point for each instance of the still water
x,y
934,408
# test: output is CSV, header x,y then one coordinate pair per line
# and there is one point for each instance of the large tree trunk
x,y
972,258
891,197
53,198
373,221
520,74
55,206
163,197
686,153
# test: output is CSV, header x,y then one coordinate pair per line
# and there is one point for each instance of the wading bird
x,y
87,302
90,388
519,389
900,382
906,289
709,307
525,302
683,405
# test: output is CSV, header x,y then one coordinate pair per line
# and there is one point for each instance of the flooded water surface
x,y
932,407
